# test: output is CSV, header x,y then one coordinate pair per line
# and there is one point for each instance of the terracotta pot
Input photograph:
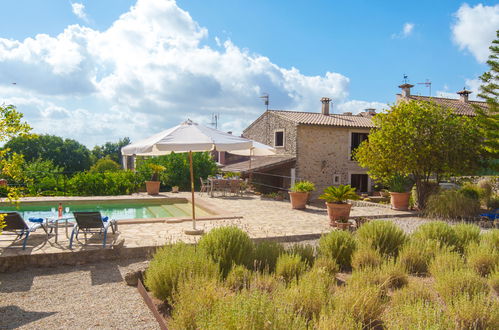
x,y
400,201
341,225
175,189
298,199
152,187
338,211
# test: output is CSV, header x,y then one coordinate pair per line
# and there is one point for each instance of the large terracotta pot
x,y
338,211
298,199
400,201
152,187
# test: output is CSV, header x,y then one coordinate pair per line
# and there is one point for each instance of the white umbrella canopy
x,y
192,137
188,136
257,149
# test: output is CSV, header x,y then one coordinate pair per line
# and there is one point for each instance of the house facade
x,y
319,145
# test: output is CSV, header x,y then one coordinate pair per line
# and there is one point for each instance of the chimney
x,y
325,105
463,95
371,111
347,113
406,89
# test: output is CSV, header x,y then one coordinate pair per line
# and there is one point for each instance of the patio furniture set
x,y
224,186
86,222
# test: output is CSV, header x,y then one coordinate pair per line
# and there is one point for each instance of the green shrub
x,y
493,202
338,245
471,191
290,267
193,300
227,246
326,265
364,303
239,278
438,231
303,186
482,258
336,320
494,280
475,312
451,204
446,261
103,184
308,296
174,263
105,164
384,236
466,234
305,251
251,310
419,314
265,255
416,255
491,239
466,282
366,256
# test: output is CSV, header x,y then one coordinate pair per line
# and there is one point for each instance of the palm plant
x,y
339,194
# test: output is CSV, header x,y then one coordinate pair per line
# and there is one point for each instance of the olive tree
x,y
423,140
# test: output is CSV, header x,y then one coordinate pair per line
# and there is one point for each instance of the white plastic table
x,y
54,223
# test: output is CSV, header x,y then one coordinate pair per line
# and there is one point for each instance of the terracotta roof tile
x,y
459,107
315,118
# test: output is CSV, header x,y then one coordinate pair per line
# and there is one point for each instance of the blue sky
x,y
164,61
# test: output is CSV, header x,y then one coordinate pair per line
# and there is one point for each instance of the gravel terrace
x,y
82,297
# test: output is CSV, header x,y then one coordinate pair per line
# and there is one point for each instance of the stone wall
x,y
322,152
262,130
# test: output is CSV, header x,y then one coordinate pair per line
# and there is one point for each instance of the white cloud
x,y
475,28
79,10
147,72
356,106
407,30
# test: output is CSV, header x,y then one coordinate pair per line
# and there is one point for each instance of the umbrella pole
x,y
194,231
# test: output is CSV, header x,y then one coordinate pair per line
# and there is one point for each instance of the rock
x,y
132,278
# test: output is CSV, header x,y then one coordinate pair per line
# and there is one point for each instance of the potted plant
x,y
336,198
152,186
400,192
175,189
299,193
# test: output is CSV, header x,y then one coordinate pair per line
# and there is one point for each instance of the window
x,y
357,139
279,139
336,179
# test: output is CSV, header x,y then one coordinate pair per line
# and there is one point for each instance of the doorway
x,y
360,182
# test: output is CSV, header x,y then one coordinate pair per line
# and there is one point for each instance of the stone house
x,y
314,146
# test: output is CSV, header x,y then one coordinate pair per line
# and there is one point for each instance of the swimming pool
x,y
114,209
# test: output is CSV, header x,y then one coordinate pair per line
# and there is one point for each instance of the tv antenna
x,y
265,98
427,83
215,117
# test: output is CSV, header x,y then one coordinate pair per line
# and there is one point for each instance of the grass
x,y
339,246
459,292
383,236
228,246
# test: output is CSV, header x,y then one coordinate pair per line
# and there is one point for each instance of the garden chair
x,y
205,186
92,222
15,223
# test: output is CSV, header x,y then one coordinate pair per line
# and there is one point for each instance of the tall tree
x,y
11,125
69,154
488,118
112,150
420,139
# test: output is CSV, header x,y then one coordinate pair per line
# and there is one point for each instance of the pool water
x,y
118,210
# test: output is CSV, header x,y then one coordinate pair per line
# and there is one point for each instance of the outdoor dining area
x,y
220,186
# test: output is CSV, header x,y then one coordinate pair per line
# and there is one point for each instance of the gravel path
x,y
81,297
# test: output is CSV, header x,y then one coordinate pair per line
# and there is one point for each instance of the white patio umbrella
x,y
189,137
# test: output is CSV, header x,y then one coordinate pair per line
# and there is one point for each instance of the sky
x,y
97,71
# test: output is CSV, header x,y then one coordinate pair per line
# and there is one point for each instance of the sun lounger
x,y
15,223
91,222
